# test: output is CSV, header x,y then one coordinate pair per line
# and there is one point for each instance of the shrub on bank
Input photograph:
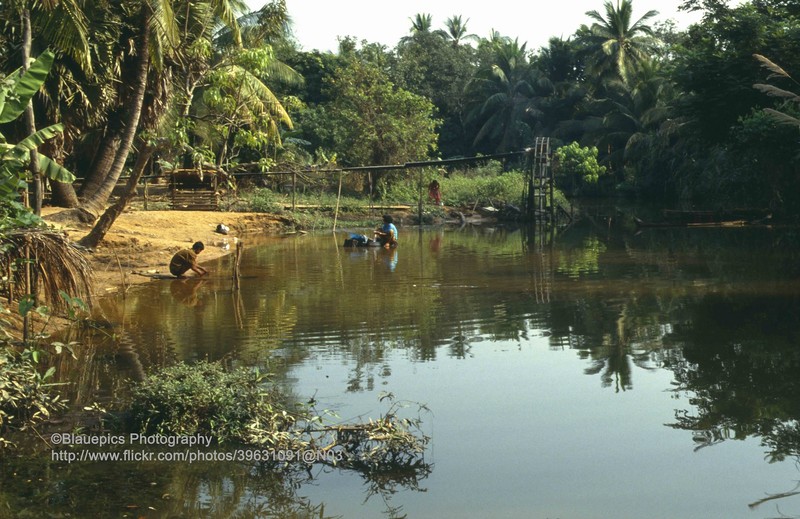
x,y
485,185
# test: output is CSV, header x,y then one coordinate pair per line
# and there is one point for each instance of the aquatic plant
x,y
241,407
205,399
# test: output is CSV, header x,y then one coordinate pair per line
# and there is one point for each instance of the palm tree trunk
x,y
63,195
29,119
108,218
97,201
103,159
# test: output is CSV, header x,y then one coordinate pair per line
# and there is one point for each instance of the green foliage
x,y
582,260
16,91
238,110
490,190
205,399
618,43
374,122
262,201
502,96
486,185
26,398
577,167
431,66
239,406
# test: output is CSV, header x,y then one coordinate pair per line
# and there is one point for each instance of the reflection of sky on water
x,y
517,431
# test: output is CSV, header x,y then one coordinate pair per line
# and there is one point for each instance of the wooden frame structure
x,y
194,190
540,183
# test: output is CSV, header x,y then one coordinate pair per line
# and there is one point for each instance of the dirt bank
x,y
144,241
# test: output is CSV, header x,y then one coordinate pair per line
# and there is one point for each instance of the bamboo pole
x,y
419,195
294,190
27,324
237,259
338,198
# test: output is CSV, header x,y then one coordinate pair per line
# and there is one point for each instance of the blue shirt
x,y
389,227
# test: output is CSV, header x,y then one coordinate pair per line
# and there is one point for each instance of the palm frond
x,y
228,12
774,91
772,67
58,264
260,95
782,118
67,28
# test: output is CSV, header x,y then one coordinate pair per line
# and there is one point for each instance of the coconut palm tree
x,y
421,26
166,29
154,32
628,119
422,22
503,98
456,30
618,46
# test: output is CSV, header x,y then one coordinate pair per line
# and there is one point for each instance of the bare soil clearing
x,y
144,241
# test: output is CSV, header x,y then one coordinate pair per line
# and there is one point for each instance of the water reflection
x,y
743,378
705,317
185,291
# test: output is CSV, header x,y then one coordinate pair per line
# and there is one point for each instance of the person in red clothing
x,y
434,193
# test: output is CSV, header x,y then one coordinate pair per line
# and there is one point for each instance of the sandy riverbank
x,y
144,241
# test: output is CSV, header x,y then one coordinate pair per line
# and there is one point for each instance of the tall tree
x,y
374,122
158,35
618,44
422,22
432,67
151,30
238,109
502,99
627,119
456,30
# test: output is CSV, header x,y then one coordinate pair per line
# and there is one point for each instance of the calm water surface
x,y
593,373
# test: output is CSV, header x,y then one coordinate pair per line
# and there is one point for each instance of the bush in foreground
x,y
26,398
239,406
205,399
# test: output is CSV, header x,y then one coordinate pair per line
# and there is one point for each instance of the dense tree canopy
x,y
673,114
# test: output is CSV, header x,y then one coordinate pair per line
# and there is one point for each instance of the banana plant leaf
x,y
55,171
22,86
32,142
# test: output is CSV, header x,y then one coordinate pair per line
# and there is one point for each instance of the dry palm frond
x,y
774,91
782,117
772,67
56,266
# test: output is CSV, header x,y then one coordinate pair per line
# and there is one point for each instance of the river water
x,y
592,372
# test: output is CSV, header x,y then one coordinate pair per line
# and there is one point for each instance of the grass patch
x,y
486,185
